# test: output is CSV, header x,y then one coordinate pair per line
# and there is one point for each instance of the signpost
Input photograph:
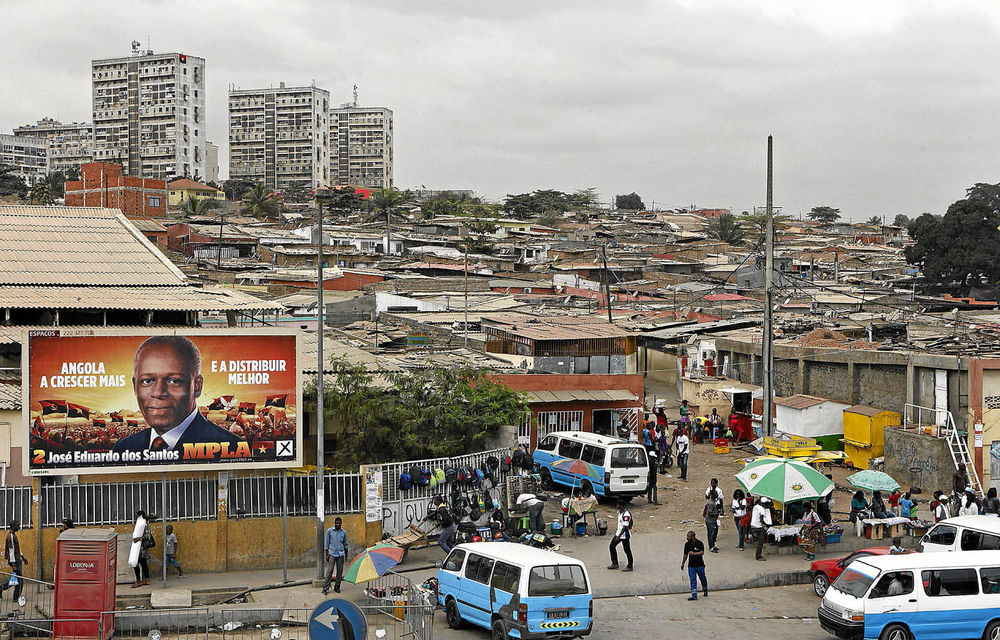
x,y
338,619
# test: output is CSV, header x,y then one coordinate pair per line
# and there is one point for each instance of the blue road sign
x,y
338,619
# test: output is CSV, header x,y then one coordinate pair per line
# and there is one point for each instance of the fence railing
x,y
261,496
98,504
43,627
37,603
191,624
392,470
15,504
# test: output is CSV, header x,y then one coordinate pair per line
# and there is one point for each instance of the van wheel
x,y
895,632
451,614
820,584
547,483
499,631
992,631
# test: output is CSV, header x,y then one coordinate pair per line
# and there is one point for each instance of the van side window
x,y
625,457
454,561
506,577
979,541
990,579
950,582
548,443
570,448
942,534
593,454
896,583
478,568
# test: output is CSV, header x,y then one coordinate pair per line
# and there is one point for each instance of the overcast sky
x,y
876,107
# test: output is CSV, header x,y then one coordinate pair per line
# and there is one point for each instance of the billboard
x,y
120,401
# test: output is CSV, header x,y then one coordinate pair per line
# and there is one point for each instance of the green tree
x,y
900,220
259,202
538,202
195,206
343,201
726,228
756,223
824,214
234,188
958,250
629,202
41,193
585,198
386,203
11,184
429,413
446,204
876,220
297,191
73,173
57,183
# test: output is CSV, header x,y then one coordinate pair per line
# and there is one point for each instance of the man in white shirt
x,y
760,520
683,449
623,535
715,491
534,507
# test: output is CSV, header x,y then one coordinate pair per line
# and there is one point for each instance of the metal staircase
x,y
959,448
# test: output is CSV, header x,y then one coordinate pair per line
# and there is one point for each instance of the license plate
x,y
555,615
628,480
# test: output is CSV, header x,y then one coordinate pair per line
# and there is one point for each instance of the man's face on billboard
x,y
165,387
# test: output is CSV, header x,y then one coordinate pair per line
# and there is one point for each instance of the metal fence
x,y
190,624
66,628
261,496
37,603
15,504
98,504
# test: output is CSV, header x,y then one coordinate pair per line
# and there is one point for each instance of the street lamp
x,y
322,195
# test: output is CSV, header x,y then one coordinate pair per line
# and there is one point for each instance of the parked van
x,y
916,595
508,587
964,533
620,467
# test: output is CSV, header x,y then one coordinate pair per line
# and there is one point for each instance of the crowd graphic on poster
x,y
164,399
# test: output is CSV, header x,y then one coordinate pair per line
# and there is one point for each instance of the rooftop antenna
x,y
149,47
355,96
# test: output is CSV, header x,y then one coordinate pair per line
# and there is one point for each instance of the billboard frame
x,y
191,332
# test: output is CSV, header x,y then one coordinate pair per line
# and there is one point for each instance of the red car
x,y
824,572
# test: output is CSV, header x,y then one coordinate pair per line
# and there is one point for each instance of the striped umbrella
x,y
784,480
373,562
578,467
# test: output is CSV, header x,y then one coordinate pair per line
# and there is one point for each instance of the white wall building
x,y
280,136
361,146
211,162
149,114
69,145
28,156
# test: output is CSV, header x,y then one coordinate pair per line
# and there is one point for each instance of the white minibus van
x,y
964,533
945,596
615,468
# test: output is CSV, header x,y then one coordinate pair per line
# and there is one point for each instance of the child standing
x,y
171,549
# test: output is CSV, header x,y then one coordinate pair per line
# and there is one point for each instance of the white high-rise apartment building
x,y
280,136
149,114
69,145
361,146
28,156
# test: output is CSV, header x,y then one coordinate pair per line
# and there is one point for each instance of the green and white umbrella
x,y
873,481
784,480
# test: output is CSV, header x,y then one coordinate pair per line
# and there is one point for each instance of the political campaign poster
x,y
122,401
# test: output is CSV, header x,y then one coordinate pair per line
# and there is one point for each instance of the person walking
x,y
335,548
623,536
694,556
739,511
712,514
683,449
651,493
714,489
534,506
664,448
442,518
16,560
142,541
170,547
991,505
760,520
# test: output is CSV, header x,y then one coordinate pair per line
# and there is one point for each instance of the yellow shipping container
x,y
864,432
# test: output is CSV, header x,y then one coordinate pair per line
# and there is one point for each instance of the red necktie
x,y
159,444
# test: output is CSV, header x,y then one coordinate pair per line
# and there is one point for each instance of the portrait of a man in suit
x,y
167,382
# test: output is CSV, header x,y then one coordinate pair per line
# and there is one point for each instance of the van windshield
x,y
557,580
853,583
625,457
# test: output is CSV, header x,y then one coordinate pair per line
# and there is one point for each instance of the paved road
x,y
755,614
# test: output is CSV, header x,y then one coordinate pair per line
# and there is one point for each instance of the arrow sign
x,y
338,619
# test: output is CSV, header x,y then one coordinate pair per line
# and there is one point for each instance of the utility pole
x,y
767,344
218,258
322,194
465,330
607,288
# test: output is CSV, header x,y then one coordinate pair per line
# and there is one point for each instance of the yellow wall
x,y
179,196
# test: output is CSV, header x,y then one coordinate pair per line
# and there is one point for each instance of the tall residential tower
x,y
361,146
280,136
69,145
149,114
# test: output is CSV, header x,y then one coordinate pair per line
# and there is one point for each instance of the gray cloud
x,y
885,109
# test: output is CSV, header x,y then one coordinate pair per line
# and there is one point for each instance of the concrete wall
x,y
915,459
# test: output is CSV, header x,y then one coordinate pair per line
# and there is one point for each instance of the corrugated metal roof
x,y
147,225
78,246
10,396
560,328
177,298
799,401
581,395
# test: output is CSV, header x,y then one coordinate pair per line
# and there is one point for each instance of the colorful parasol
x,y
373,562
578,467
784,480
